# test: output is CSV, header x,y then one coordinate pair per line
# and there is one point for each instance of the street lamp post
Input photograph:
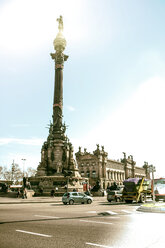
x,y
152,170
12,170
23,159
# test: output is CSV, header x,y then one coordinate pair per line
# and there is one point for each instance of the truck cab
x,y
136,189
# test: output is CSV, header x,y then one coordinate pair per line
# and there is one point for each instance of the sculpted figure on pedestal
x,y
60,23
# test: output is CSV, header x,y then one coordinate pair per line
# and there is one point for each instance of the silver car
x,y
76,197
115,195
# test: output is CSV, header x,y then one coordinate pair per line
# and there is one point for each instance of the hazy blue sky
x,y
114,79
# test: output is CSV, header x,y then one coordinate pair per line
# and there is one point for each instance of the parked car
x,y
76,197
115,195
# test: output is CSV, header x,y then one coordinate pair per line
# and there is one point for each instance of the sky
x,y
114,78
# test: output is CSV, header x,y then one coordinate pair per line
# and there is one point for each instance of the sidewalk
x,y
158,207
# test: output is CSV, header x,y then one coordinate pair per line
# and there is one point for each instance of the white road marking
x,y
126,211
92,212
97,222
110,212
106,213
113,217
52,217
105,246
39,234
109,217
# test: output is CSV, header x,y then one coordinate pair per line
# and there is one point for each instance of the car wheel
x,y
89,201
71,202
142,198
64,203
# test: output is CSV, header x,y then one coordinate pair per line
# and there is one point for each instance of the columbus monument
x,y
57,169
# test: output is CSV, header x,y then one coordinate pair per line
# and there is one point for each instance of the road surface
x,y
100,224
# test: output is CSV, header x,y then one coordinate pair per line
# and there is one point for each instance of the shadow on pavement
x,y
52,219
119,203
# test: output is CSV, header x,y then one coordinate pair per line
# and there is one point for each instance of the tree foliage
x,y
14,173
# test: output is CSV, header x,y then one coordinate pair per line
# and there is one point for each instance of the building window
x,y
93,173
88,173
82,173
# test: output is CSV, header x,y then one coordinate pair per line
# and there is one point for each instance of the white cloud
x,y
137,127
31,142
152,62
70,108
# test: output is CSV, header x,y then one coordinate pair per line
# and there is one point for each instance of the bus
x,y
159,189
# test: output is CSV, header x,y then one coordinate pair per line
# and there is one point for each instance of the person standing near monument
x,y
52,192
24,193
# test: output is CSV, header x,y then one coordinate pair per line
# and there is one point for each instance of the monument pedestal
x,y
43,185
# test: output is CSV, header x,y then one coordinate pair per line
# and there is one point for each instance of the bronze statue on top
x,y
60,23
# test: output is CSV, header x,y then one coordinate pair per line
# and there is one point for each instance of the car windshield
x,y
74,194
66,194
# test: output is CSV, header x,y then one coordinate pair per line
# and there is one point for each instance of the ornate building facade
x,y
98,168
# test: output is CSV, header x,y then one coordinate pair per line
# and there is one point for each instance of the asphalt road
x,y
101,224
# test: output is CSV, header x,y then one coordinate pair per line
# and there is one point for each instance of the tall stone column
x,y
59,57
58,129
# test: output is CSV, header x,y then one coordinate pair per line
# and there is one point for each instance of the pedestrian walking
x,y
52,192
18,193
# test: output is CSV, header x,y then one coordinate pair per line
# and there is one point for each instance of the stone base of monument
x,y
43,186
30,193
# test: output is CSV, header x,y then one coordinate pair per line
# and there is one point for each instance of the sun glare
x,y
25,29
